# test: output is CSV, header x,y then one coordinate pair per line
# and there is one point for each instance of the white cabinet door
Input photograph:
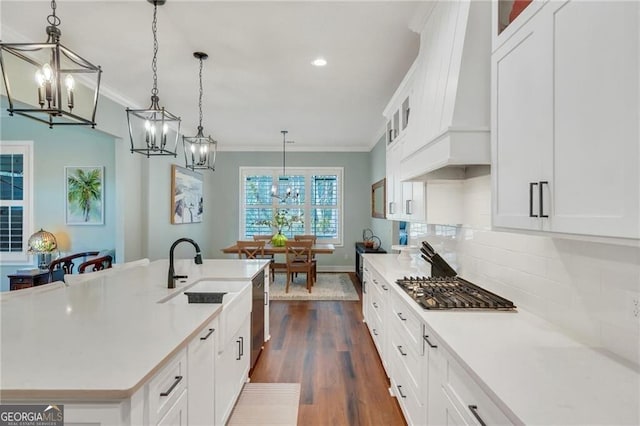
x,y
413,202
394,186
201,355
522,128
566,121
232,370
594,173
177,414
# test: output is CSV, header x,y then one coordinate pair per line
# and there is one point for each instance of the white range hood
x,y
450,112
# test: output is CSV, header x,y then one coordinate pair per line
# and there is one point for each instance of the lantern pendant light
x,y
54,89
200,150
153,131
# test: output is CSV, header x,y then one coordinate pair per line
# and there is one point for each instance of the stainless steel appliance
x,y
445,290
257,316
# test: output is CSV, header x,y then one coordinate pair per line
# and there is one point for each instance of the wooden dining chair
x,y
299,261
313,238
273,266
97,264
250,249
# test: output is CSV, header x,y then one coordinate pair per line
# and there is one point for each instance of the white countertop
x,y
528,365
104,338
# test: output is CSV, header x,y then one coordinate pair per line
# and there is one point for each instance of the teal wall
x,y
53,150
382,228
221,205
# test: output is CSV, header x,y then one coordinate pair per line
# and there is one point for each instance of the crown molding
x,y
278,148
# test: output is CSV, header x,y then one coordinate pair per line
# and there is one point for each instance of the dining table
x,y
318,248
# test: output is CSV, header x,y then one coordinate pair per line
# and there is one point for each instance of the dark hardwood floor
x,y
326,348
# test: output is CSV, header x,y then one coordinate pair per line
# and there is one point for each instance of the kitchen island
x,y
103,341
470,366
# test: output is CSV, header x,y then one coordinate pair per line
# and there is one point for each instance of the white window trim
x,y
25,148
306,172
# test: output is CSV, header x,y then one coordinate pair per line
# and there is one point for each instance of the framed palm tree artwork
x,y
84,199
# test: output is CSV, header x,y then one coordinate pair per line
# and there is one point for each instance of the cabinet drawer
x,y
410,323
377,331
376,307
167,386
407,359
467,396
411,404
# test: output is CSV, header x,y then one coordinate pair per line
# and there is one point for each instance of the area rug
x,y
267,404
330,286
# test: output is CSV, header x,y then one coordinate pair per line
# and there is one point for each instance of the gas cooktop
x,y
452,293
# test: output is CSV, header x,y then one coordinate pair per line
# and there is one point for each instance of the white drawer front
x,y
167,386
407,359
410,323
412,407
471,401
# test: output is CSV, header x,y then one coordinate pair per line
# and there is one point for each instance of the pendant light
x,y
55,68
274,188
153,131
200,150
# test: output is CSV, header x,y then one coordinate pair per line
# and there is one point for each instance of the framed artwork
x,y
186,195
84,200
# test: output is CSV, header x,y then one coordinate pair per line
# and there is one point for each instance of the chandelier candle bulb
x,y
69,81
40,82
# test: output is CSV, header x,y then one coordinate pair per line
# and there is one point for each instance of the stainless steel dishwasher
x,y
257,316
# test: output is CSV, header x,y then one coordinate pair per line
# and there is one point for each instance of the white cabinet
x,y
374,306
413,201
566,121
232,370
177,414
406,359
166,387
394,185
201,357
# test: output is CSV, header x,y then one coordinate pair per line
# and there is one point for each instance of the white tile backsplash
x,y
586,288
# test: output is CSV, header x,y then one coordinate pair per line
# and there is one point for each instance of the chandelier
x,y
200,150
55,68
153,131
289,194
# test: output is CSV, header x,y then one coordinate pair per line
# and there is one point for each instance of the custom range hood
x,y
448,129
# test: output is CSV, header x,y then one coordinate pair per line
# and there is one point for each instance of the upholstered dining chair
x,y
299,261
273,266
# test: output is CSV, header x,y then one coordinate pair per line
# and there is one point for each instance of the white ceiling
x,y
258,79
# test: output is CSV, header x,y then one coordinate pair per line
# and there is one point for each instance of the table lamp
x,y
42,243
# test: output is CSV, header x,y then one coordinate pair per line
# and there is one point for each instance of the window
x,y
15,200
316,197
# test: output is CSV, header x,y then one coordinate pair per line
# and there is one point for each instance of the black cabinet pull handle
x,y
401,351
239,350
384,287
375,333
400,391
266,298
543,182
474,411
531,185
401,317
241,346
211,330
431,345
375,305
364,286
178,379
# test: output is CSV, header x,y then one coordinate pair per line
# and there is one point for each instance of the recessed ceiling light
x,y
319,62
